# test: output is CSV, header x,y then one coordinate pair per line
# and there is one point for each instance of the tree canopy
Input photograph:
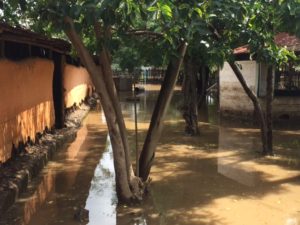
x,y
164,23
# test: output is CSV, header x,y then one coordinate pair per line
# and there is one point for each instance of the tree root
x,y
139,188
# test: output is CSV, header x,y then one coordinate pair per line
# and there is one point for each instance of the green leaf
x,y
152,9
166,10
184,6
199,12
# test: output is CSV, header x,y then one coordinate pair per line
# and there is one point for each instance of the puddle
x,y
64,184
217,178
102,199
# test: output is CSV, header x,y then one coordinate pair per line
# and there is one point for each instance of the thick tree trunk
x,y
256,104
269,116
105,64
108,78
190,104
162,104
122,185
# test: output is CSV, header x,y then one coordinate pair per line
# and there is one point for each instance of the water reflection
x,y
63,186
102,199
217,178
233,148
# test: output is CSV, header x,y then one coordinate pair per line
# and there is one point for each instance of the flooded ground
x,y
217,178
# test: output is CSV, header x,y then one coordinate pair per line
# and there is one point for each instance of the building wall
x,y
235,103
77,84
286,108
26,101
233,98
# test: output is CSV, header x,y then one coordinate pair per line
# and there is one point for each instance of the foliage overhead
x,y
212,28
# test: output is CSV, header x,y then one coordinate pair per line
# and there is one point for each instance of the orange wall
x,y
77,84
26,101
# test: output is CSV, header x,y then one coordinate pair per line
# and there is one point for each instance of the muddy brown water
x,y
217,178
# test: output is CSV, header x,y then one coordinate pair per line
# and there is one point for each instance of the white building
x,y
286,105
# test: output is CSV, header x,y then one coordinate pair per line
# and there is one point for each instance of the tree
x,y
127,184
255,23
201,59
90,26
137,48
190,96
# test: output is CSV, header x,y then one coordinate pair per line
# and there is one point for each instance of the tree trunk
x,y
269,116
162,104
107,72
190,105
256,104
122,185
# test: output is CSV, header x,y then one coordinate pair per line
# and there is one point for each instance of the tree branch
x,y
104,63
144,33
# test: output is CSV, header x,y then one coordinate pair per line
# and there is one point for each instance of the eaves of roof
x,y
20,35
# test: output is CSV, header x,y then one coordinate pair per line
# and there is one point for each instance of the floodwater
x,y
217,178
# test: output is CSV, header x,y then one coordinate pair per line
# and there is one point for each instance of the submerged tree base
x,y
139,191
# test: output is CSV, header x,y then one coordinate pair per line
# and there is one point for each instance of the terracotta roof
x,y
241,50
20,35
291,42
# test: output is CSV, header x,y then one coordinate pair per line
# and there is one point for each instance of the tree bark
x,y
256,104
122,185
156,124
190,104
104,61
269,114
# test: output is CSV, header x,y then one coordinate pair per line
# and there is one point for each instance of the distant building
x,y
286,105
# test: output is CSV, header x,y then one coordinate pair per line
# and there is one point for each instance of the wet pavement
x,y
64,185
217,178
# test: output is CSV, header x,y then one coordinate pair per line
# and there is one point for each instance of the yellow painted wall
x,y
26,101
77,84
